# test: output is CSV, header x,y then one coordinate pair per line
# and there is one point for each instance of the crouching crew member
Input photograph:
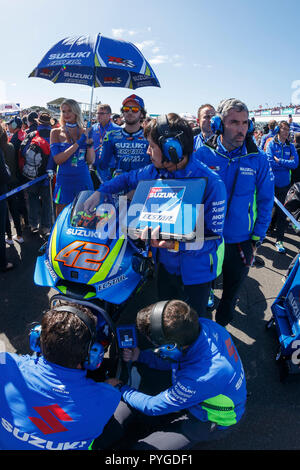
x,y
207,397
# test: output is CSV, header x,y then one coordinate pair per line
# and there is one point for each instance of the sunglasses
x,y
134,109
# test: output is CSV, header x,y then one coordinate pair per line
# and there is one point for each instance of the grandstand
x,y
280,113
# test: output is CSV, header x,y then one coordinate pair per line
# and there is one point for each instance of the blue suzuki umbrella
x,y
96,62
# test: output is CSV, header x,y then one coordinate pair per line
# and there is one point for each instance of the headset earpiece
x,y
168,141
95,350
217,126
34,339
171,352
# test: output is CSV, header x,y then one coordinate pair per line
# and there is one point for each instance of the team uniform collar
x,y
132,134
237,152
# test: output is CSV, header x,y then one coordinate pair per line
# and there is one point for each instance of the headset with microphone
x,y
170,351
169,141
95,350
216,121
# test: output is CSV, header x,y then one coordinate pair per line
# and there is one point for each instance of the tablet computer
x,y
175,205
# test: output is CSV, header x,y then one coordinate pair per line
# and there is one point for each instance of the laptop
x,y
173,205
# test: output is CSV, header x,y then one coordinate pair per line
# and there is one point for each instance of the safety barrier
x,y
41,178
23,186
287,213
48,175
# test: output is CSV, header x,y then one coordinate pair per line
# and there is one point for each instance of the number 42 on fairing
x,y
83,255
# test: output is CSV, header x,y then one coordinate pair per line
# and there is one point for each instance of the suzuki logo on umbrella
x,y
69,55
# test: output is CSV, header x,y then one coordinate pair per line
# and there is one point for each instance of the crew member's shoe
x,y
7,267
18,239
279,247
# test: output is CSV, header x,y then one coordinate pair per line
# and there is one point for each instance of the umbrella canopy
x,y
96,62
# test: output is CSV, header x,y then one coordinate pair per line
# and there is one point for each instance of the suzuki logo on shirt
x,y
247,171
51,419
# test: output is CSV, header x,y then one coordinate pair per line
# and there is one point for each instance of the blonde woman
x,y
72,152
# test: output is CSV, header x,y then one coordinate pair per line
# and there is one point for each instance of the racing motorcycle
x,y
89,259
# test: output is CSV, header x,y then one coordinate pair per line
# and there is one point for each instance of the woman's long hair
x,y
75,108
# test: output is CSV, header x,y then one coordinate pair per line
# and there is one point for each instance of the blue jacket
x,y
123,151
265,137
209,380
195,266
288,160
250,210
199,141
49,407
98,134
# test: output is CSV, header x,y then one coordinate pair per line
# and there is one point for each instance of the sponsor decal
x,y
162,204
46,72
112,80
80,232
247,171
51,271
69,55
34,440
295,305
112,282
121,62
79,76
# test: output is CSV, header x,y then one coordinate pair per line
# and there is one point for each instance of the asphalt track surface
x,y
273,410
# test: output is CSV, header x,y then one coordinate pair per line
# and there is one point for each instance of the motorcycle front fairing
x,y
88,255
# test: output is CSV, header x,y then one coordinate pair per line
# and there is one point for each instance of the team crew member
x,y
47,401
272,125
99,130
249,181
205,113
207,397
186,268
125,149
284,158
72,152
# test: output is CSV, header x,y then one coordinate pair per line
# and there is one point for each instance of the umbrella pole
x,y
91,106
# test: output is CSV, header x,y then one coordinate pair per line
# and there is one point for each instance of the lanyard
x,y
102,134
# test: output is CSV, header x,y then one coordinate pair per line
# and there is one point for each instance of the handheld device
x,y
126,336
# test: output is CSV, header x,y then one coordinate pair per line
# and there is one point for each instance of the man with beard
x,y
125,149
249,181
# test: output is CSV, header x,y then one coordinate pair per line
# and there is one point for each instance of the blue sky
x,y
201,51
